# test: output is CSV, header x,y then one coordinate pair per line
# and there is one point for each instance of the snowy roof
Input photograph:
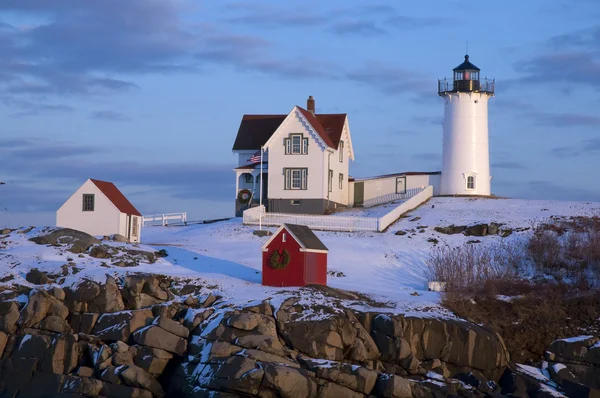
x,y
116,197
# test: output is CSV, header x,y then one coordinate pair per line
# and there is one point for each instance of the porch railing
x,y
164,219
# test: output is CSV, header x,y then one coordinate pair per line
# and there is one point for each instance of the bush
x,y
162,253
474,269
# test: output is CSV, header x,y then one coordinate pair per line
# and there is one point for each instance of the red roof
x,y
255,130
116,197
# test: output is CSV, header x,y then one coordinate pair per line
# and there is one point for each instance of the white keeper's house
x,y
306,155
99,208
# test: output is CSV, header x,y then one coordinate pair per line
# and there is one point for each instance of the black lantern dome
x,y
466,79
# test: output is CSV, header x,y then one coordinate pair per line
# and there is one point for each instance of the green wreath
x,y
280,259
244,196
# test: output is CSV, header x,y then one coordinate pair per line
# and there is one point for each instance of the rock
x,y
85,371
154,336
152,360
289,382
101,357
394,386
121,391
100,252
36,308
208,350
119,238
55,324
191,301
32,346
236,374
37,277
79,386
110,374
108,299
83,323
571,349
122,358
120,325
119,346
143,291
351,376
244,320
3,341
400,233
77,297
506,232
62,357
332,390
9,315
80,241
57,293
172,327
493,228
135,376
210,300
476,230
5,231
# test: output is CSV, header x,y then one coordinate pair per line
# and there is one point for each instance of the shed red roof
x,y
116,197
255,130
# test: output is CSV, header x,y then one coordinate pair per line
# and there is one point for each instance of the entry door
x,y
310,267
400,184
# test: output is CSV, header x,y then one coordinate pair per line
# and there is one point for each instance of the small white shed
x,y
99,208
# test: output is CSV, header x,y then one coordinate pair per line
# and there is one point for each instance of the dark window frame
x,y
88,205
398,179
287,178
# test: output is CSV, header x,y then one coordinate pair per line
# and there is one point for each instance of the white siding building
x,y
305,162
99,208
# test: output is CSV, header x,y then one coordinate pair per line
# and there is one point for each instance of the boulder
x,y
289,382
356,378
571,349
154,336
244,320
78,296
476,230
3,341
135,376
100,251
493,228
57,293
37,277
235,374
120,325
119,346
79,241
108,299
394,386
37,308
122,358
84,371
119,238
9,315
143,291
152,360
32,346
83,323
63,355
332,390
172,326
55,324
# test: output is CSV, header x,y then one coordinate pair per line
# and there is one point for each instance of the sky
x,y
149,94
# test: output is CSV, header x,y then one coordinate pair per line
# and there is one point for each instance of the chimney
x,y
310,104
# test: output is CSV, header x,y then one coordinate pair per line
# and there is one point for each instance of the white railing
x,y
328,223
390,197
164,219
253,215
409,204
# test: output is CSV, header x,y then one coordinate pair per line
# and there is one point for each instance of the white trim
x,y
314,251
295,112
348,140
303,248
268,242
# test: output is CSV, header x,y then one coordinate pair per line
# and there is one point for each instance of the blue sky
x,y
149,93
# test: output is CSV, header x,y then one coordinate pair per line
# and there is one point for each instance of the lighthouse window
x,y
470,182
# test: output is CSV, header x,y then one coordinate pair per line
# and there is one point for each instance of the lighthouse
x,y
465,154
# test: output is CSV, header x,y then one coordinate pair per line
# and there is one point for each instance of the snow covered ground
x,y
226,255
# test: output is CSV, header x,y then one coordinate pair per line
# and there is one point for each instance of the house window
x,y
134,227
341,149
88,202
341,181
283,237
330,180
296,145
295,178
471,182
295,203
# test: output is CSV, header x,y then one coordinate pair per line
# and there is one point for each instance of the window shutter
x,y
286,143
305,146
287,178
304,172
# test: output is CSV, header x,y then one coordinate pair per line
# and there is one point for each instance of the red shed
x,y
294,256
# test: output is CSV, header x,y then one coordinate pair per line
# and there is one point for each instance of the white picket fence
x,y
390,197
349,224
165,219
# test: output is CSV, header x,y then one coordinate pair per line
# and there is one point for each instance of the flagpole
x,y
261,188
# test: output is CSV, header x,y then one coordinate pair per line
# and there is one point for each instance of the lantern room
x,y
466,79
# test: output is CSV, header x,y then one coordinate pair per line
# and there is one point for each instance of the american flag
x,y
255,158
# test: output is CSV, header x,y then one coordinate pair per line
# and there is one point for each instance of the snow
x,y
576,339
558,367
551,391
225,257
533,372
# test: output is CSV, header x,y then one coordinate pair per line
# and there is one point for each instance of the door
x,y
310,267
359,189
400,184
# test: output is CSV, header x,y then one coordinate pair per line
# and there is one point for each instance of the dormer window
x,y
296,144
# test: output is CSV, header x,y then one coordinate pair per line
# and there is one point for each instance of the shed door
x,y
359,189
310,267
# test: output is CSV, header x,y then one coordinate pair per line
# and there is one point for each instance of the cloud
x,y
428,157
358,27
587,147
30,108
410,23
74,47
508,165
435,120
36,149
390,79
562,119
109,115
273,17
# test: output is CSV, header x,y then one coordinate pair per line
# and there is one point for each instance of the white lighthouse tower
x,y
466,154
